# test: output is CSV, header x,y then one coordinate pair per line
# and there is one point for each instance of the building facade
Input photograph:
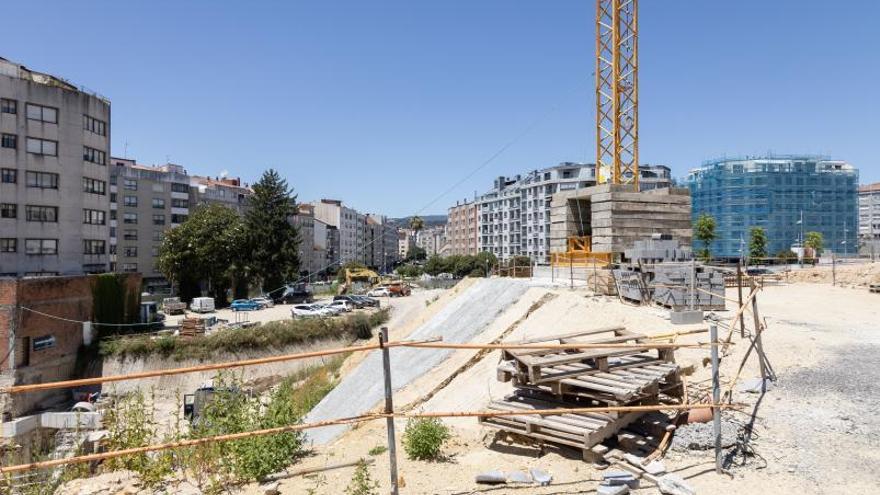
x,y
380,251
313,240
869,220
432,240
462,228
145,202
514,217
54,146
226,191
786,195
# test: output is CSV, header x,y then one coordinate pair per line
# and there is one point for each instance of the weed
x,y
423,438
361,483
378,450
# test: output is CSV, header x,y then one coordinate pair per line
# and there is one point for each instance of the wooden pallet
x,y
543,365
627,378
580,431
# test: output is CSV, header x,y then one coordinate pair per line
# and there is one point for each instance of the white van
x,y
202,304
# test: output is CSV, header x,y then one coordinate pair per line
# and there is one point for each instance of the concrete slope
x,y
462,318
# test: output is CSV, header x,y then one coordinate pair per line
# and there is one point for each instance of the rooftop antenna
x,y
125,150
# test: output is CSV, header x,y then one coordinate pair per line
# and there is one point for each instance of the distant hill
x,y
430,220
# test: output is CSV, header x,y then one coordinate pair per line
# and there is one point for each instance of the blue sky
x,y
387,104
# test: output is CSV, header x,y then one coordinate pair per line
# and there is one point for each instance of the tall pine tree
x,y
273,240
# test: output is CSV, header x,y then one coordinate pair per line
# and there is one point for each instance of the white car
x,y
306,311
341,305
379,292
264,302
328,309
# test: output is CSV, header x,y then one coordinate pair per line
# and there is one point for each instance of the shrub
x,y
423,438
361,483
270,335
378,450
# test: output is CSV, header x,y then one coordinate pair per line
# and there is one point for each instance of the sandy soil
x,y
847,274
814,432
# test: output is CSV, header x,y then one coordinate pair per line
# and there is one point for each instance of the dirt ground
x,y
815,430
852,274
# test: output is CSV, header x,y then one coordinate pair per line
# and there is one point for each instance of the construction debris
x,y
560,378
498,477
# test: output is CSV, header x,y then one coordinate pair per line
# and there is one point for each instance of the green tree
x,y
704,232
757,242
207,247
435,265
815,241
416,253
273,240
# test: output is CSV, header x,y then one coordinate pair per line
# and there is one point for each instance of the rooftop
x,y
14,69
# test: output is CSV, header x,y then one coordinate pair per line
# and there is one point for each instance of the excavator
x,y
358,275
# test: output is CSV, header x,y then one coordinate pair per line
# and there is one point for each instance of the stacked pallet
x,y
672,281
587,377
192,327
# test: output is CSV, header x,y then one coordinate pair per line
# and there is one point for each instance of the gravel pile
x,y
701,436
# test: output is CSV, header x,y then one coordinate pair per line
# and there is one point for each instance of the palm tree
x,y
416,223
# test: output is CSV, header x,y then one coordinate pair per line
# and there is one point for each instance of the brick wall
x,y
63,297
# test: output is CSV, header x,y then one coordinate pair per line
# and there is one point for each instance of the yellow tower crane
x,y
617,92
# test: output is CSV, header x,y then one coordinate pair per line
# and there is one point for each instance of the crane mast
x,y
617,92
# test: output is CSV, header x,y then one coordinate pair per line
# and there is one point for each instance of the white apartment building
x,y
351,227
432,240
514,217
869,219
54,146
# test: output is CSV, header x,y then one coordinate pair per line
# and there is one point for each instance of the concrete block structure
x,y
54,146
615,216
38,348
515,216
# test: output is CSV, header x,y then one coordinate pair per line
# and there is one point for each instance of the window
x,y
9,175
95,217
130,251
130,234
180,203
131,218
42,146
42,180
154,251
112,214
41,113
8,106
8,210
94,186
41,246
158,203
112,197
180,188
129,267
94,125
158,235
130,184
130,200
158,219
113,232
9,141
178,218
158,188
94,156
94,246
35,213
8,245
43,343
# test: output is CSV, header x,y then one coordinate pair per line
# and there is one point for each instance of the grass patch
x,y
270,335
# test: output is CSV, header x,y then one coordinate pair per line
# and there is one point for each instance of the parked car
x,y
294,295
306,311
367,301
264,302
202,305
342,305
353,300
379,292
244,305
328,309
